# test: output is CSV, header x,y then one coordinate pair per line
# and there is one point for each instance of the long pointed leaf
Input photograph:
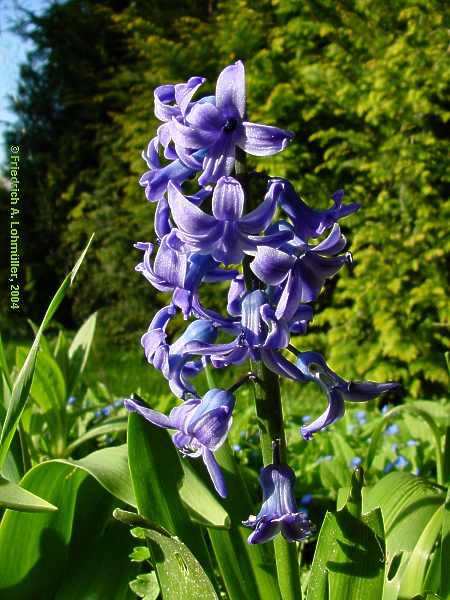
x,y
79,351
24,379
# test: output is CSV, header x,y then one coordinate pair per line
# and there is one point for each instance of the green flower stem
x,y
270,419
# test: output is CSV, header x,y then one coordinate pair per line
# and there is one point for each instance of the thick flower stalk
x,y
275,254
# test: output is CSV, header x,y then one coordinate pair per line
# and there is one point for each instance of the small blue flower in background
x,y
236,448
71,400
118,403
401,462
98,413
279,511
356,461
107,410
326,458
361,416
394,447
306,419
392,429
385,409
306,499
388,468
412,443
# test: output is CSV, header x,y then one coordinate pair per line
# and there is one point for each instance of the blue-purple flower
x,y
300,270
259,334
227,233
174,362
178,270
221,126
313,367
201,426
308,222
279,511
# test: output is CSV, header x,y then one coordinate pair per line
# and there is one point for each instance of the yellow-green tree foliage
x,y
363,84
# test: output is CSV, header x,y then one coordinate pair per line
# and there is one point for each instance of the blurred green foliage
x,y
362,84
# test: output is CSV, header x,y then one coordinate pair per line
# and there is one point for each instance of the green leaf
x,y
48,388
91,558
445,550
15,497
4,365
98,564
118,424
201,501
335,474
408,505
349,558
180,575
157,475
413,577
24,379
79,351
34,547
109,466
139,554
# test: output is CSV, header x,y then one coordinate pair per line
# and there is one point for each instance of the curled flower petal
x,y
230,90
228,199
264,140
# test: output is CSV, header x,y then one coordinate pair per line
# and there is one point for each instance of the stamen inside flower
x,y
230,125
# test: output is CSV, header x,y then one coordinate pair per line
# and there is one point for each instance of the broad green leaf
x,y
349,558
98,564
445,550
61,353
17,498
109,466
34,547
201,502
24,379
413,577
408,505
157,475
79,351
93,556
180,575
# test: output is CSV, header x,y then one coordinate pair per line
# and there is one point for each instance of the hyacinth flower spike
x,y
279,511
313,367
219,127
201,426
